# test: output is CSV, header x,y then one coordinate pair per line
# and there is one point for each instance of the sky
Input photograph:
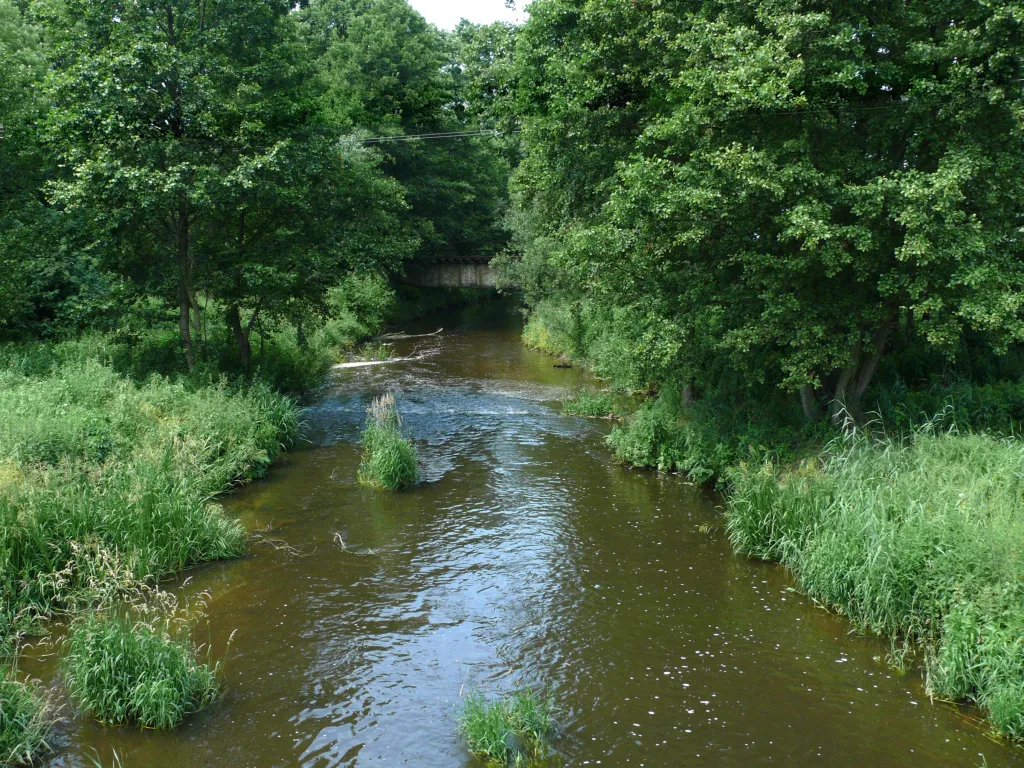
x,y
447,13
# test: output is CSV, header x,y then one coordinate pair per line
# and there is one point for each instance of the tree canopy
x,y
387,73
212,155
779,186
784,190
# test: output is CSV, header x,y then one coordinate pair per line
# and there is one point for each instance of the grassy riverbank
x,y
918,540
917,537
94,464
105,481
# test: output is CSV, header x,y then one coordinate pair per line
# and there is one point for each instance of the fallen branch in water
x,y
365,363
404,335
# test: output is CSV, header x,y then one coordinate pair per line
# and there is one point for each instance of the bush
x,y
919,541
960,405
509,731
605,341
124,670
24,723
285,357
706,439
389,460
591,404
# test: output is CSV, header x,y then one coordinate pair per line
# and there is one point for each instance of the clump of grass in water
x,y
919,540
591,404
376,351
24,722
138,666
509,731
389,460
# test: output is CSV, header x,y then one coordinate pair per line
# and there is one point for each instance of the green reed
x,y
124,669
91,462
389,460
511,730
920,540
24,722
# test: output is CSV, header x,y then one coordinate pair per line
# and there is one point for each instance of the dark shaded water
x,y
525,557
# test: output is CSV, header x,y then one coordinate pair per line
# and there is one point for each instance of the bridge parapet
x,y
453,271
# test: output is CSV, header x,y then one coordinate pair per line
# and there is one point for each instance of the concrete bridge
x,y
453,271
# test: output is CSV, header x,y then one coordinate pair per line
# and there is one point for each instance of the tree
x,y
185,132
779,187
27,276
291,225
386,72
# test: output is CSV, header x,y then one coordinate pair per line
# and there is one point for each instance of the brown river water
x,y
525,557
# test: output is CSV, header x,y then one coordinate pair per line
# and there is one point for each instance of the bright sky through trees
x,y
447,13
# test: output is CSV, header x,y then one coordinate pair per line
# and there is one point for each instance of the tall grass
x,y
286,357
125,669
958,404
509,731
919,540
24,722
92,462
389,460
706,439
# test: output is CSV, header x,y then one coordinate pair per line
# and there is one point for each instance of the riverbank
x,y
112,456
917,540
911,527
106,482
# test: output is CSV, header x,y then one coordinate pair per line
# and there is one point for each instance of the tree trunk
x,y
241,336
689,397
809,403
855,380
841,405
185,286
878,341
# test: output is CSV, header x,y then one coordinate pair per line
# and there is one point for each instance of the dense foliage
x,y
775,189
24,724
207,166
386,73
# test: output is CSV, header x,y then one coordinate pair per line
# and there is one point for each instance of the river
x,y
525,557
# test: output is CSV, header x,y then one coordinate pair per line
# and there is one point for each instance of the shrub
x,y
918,540
123,670
708,438
389,460
509,731
24,723
590,404
960,404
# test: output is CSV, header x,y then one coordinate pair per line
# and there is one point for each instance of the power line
x,y
428,136
814,110
810,110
